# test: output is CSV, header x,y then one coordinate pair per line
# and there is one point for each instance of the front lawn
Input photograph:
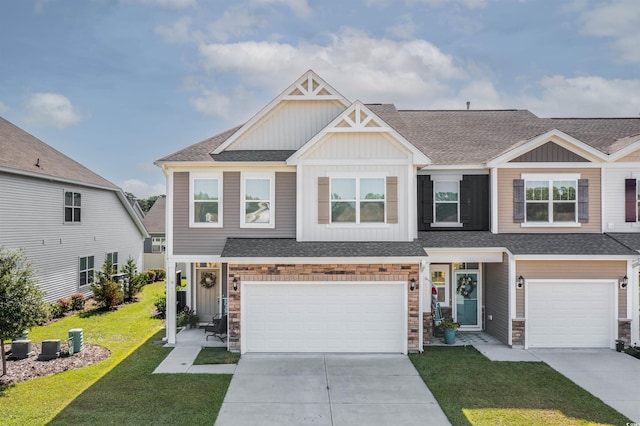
x,y
473,390
211,355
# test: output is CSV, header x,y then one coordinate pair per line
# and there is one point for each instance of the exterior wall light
x,y
235,284
520,282
413,284
624,282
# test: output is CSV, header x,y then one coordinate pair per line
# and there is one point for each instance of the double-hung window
x,y
358,200
551,201
113,258
257,209
446,201
205,200
72,206
157,244
86,270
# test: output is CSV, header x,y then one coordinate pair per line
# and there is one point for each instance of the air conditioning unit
x,y
50,350
21,349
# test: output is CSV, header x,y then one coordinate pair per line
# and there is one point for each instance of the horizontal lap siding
x,y
505,201
575,269
32,218
210,241
614,200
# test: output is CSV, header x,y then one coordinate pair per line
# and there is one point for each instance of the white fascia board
x,y
542,139
418,157
284,95
321,260
625,151
187,258
592,257
480,254
56,179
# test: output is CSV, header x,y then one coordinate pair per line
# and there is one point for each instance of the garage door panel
x,y
570,314
324,317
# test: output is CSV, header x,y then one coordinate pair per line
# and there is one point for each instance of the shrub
x,y
77,301
152,275
135,281
64,304
106,292
161,306
161,273
55,311
187,316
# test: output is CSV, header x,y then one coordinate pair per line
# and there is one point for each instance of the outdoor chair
x,y
217,328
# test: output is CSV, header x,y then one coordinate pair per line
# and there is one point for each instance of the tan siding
x,y
211,241
392,199
580,269
505,201
496,296
633,157
323,200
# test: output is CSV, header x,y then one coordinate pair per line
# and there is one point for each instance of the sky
x,y
118,84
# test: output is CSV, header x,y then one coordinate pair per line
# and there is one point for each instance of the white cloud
x,y
142,189
617,20
471,4
3,107
235,21
178,32
588,96
169,4
51,110
299,7
237,106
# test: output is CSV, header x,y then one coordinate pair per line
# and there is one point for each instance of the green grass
x,y
473,390
216,356
37,401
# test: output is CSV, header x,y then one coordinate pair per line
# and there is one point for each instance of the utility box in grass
x,y
21,349
50,350
76,340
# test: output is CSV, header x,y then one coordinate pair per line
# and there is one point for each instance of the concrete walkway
x,y
328,389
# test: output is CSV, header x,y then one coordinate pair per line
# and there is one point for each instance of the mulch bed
x,y
30,368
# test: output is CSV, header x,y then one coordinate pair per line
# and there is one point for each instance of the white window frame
x,y
357,200
447,283
550,178
161,243
80,271
110,255
637,203
271,176
71,206
446,179
204,176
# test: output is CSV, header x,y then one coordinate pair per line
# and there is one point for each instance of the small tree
x,y
21,300
135,280
106,292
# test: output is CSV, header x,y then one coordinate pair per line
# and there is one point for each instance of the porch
x,y
196,337
467,338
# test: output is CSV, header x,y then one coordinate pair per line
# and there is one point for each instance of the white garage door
x,y
323,317
570,314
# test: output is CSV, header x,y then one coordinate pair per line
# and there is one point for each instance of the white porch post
x,y
171,302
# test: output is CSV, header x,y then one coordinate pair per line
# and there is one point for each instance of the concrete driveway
x,y
609,375
328,389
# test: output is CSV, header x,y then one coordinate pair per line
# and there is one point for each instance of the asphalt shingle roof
x,y
23,152
631,240
528,244
254,155
201,151
289,247
154,220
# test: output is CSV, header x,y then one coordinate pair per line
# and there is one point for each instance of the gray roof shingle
x,y
254,155
200,151
154,220
23,152
631,240
289,247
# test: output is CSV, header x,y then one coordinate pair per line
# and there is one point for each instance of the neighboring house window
x,y
358,200
551,200
446,201
157,244
113,258
86,270
205,200
258,200
72,206
632,200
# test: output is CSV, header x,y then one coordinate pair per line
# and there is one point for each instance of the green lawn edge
x,y
472,390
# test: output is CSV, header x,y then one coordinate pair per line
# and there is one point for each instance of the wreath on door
x,y
466,285
208,280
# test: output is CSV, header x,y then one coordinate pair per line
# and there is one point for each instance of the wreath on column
x,y
208,280
466,285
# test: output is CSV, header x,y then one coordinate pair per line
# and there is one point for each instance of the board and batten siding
x,y
570,270
614,199
211,241
355,155
289,125
505,202
496,296
32,218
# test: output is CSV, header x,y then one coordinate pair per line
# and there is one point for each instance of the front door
x,y
468,299
207,292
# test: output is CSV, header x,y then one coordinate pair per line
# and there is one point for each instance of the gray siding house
x,y
64,217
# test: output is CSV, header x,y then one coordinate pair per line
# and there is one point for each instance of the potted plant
x,y
449,327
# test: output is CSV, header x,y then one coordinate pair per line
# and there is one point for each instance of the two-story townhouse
x,y
326,223
64,217
154,245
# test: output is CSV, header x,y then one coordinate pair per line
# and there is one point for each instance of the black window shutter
x,y
630,213
425,202
583,200
465,200
518,200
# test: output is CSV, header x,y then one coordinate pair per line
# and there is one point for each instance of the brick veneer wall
x,y
517,333
325,272
624,331
427,327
